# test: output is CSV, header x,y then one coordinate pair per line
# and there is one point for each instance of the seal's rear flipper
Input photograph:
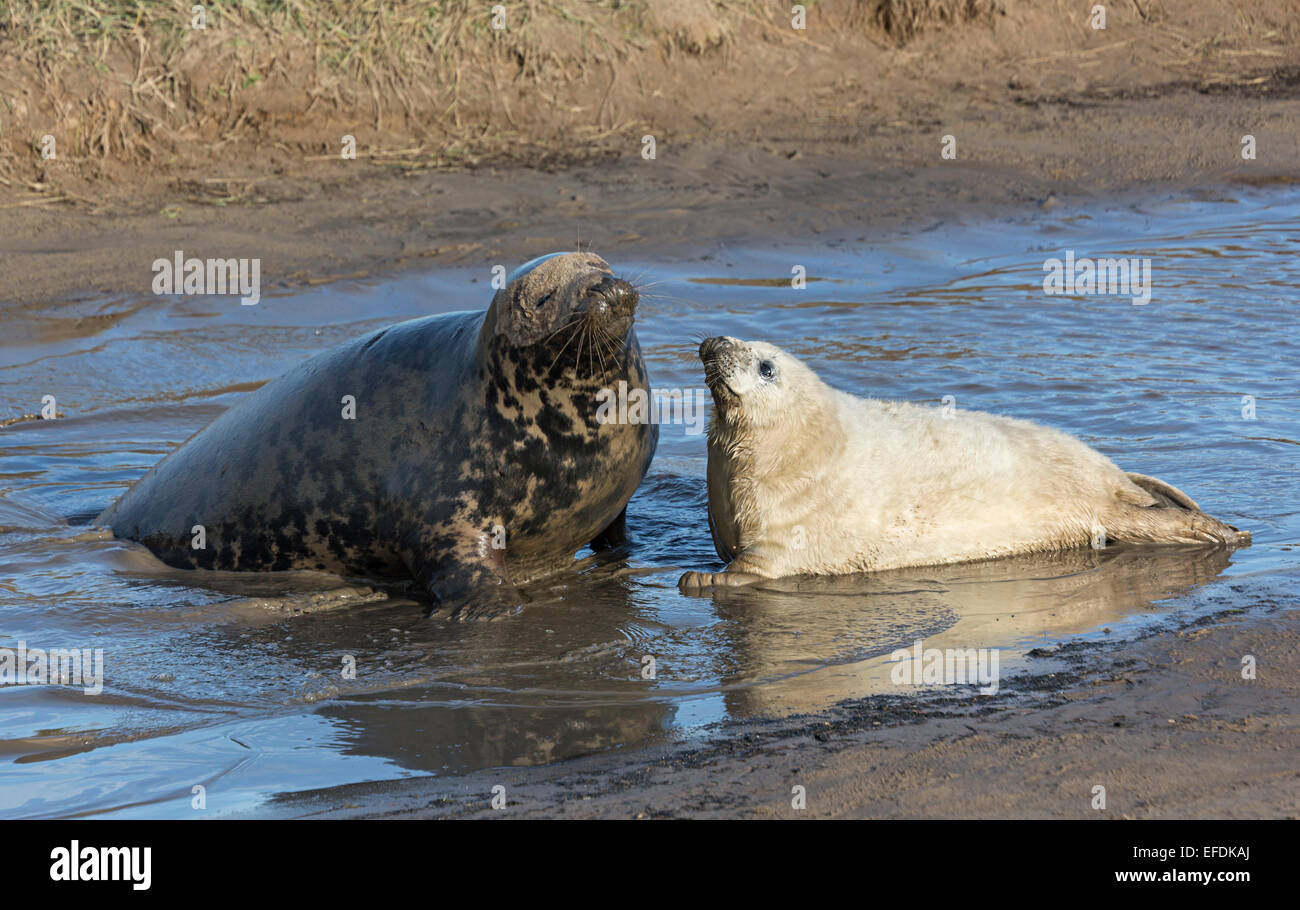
x,y
1158,512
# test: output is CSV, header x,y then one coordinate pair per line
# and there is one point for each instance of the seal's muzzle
x,y
712,348
608,305
609,297
721,357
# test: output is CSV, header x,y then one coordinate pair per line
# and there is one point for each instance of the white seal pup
x,y
807,480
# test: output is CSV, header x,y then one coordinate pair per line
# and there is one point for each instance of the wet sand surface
x,y
1165,723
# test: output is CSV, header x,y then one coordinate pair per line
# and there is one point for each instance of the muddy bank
x,y
763,132
1165,723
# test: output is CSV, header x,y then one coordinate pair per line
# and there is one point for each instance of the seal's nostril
x,y
611,293
622,294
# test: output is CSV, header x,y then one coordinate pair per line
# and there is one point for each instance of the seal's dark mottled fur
x,y
469,427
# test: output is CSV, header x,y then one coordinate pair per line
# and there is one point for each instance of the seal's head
x,y
756,384
554,298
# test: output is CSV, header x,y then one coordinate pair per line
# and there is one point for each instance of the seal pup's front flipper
x,y
738,574
700,581
1152,511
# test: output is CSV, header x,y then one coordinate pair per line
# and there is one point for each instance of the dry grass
x,y
902,20
128,86
131,80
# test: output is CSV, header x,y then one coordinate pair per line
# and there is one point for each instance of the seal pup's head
x,y
565,302
758,385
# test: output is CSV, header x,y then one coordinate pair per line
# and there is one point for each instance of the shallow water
x,y
234,682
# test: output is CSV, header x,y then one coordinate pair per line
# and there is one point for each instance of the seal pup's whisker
x,y
598,334
635,277
612,342
582,343
591,350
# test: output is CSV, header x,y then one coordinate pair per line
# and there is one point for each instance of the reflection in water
x,y
1013,604
245,683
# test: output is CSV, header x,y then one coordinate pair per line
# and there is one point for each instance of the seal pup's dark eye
x,y
767,370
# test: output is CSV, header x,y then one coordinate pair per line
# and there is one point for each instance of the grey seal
x,y
473,459
805,479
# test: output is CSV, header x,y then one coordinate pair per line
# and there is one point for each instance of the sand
x,y
1166,724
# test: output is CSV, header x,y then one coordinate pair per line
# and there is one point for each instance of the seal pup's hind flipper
x,y
1165,494
1158,512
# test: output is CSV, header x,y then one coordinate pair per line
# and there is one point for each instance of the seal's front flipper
x,y
502,599
614,536
469,582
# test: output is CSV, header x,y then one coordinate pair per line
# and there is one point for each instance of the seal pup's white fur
x,y
807,480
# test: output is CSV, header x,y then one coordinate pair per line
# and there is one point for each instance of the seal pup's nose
x,y
712,347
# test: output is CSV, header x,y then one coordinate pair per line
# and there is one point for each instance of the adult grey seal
x,y
473,459
808,480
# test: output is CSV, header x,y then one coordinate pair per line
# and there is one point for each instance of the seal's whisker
x,y
560,351
612,346
567,325
641,285
647,286
582,341
600,352
598,337
675,297
653,300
